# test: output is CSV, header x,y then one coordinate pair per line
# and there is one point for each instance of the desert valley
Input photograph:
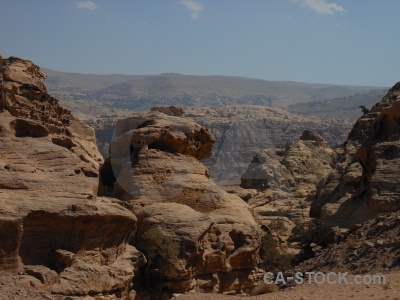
x,y
185,187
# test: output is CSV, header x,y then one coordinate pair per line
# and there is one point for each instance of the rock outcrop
x,y
66,234
54,230
365,181
170,111
242,131
280,183
194,235
37,113
370,247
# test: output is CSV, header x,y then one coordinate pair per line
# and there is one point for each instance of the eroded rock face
x,y
53,227
242,131
365,181
170,110
25,97
166,133
194,235
370,247
281,183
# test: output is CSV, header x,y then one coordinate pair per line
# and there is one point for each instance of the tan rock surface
x,y
242,131
284,181
194,235
160,131
365,248
24,96
365,181
53,228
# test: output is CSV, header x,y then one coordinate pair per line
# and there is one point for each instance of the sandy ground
x,y
10,290
388,291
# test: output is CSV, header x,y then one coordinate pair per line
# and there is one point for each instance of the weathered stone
x,y
368,244
188,228
24,128
286,179
45,275
159,131
365,182
170,111
52,227
62,259
242,131
25,97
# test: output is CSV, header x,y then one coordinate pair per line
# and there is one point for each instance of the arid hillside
x,y
140,93
149,221
347,108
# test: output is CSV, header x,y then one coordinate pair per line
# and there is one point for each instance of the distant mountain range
x,y
346,108
140,92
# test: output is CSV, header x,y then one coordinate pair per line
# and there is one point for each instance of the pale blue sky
x,y
321,41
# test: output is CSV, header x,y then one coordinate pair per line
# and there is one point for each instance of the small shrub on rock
x,y
272,259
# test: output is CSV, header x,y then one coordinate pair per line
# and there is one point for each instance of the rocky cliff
x,y
365,181
242,131
71,224
54,230
194,235
280,183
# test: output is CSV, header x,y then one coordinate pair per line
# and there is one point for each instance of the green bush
x,y
277,225
303,234
272,259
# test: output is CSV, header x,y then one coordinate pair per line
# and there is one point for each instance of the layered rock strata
x,y
54,230
242,131
280,183
365,181
195,236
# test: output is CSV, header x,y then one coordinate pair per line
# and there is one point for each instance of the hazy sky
x,y
322,41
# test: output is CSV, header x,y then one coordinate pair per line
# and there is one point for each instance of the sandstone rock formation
x,y
281,183
170,111
365,181
242,131
65,239
194,235
25,97
54,230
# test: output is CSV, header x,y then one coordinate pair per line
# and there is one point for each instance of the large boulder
x,y
194,235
